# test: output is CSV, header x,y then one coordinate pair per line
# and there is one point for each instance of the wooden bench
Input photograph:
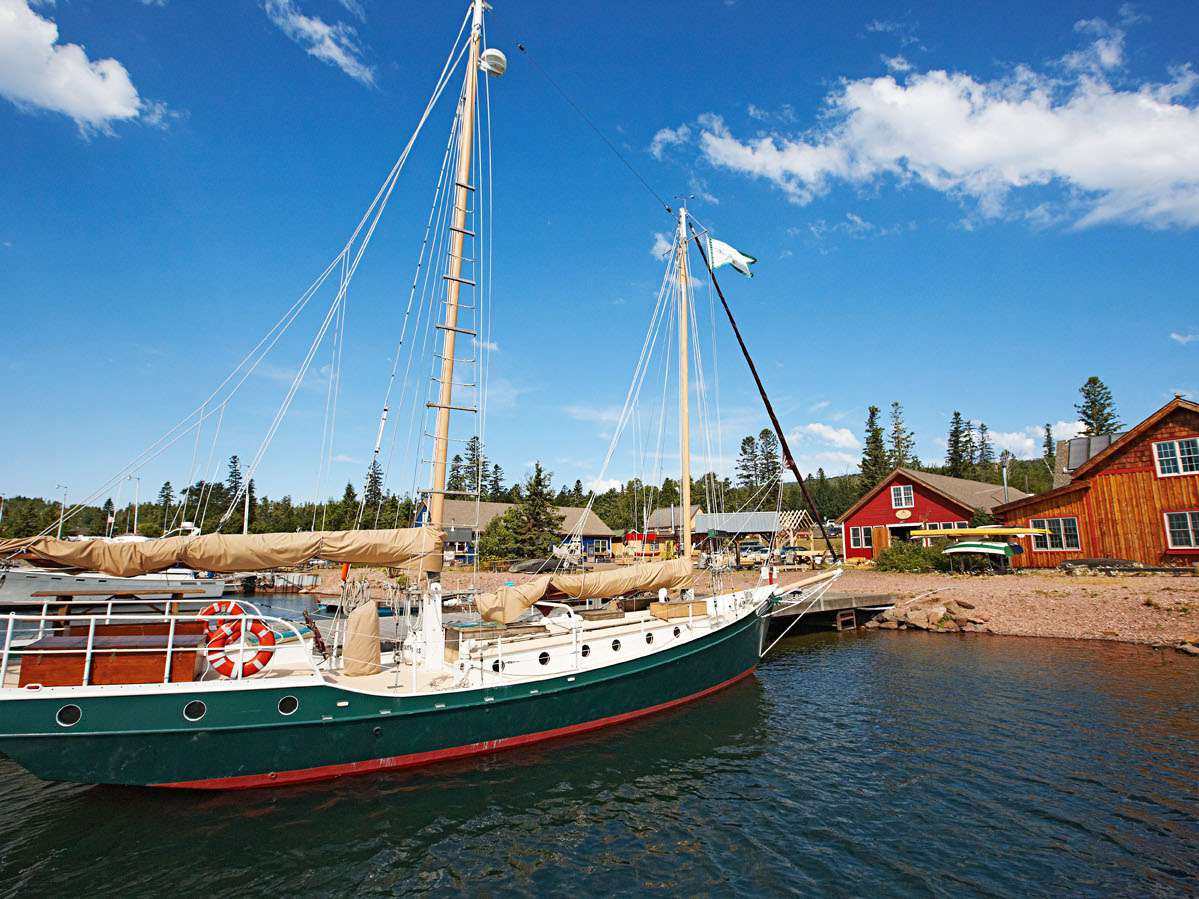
x,y
63,659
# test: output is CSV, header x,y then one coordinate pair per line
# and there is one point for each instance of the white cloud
x,y
819,406
354,8
489,345
896,63
335,44
1122,153
662,245
1020,444
347,459
608,415
1107,51
1183,339
603,485
668,137
37,72
842,437
1064,430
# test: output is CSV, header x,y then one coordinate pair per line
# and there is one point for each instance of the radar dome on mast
x,y
493,62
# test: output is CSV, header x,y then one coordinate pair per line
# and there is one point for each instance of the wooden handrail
x,y
172,591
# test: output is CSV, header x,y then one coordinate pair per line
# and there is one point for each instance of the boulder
x,y
1189,649
889,625
1192,639
964,604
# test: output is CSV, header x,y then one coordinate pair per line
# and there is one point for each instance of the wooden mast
x,y
453,278
684,384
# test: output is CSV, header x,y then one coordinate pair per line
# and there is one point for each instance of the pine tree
x,y
875,464
166,499
770,468
456,482
984,452
536,521
372,490
956,458
495,485
747,463
110,514
577,495
474,466
252,494
903,442
1097,411
969,445
1049,448
233,480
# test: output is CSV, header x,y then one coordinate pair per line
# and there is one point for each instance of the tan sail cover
x,y
361,655
418,547
509,603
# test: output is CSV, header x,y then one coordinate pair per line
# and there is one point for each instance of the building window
x,y
1063,534
867,538
1182,530
902,497
1175,457
855,538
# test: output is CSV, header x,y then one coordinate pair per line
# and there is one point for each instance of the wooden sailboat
x,y
237,713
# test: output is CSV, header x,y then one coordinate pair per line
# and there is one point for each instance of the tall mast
x,y
684,384
453,278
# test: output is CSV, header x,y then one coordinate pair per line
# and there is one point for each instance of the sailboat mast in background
x,y
453,276
684,385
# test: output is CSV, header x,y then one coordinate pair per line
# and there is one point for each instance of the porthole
x,y
194,710
649,638
288,705
68,715
586,650
616,646
497,666
544,658
677,631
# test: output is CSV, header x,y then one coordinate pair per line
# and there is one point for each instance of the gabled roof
x,y
1131,436
737,523
669,516
467,514
960,491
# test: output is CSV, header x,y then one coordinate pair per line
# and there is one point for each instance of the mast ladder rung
x,y
467,281
465,384
464,185
474,493
457,359
456,330
465,210
450,439
463,258
432,405
462,231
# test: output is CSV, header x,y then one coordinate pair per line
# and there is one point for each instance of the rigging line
x,y
211,466
611,146
788,459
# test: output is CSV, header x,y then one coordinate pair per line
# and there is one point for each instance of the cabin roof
x,y
1132,435
669,516
960,491
464,514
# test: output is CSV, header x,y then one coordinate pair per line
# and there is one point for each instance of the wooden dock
x,y
837,610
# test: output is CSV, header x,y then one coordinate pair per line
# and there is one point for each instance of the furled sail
x,y
509,603
418,547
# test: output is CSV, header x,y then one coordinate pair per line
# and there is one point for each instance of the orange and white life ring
x,y
225,636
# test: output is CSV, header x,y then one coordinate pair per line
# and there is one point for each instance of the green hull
x,y
244,741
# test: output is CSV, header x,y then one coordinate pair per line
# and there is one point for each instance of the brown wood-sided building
x,y
1135,498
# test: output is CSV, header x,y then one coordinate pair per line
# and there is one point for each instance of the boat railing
x,y
43,625
124,607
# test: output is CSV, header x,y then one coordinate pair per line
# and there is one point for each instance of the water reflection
x,y
893,763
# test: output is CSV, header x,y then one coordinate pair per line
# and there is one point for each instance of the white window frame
x,y
1176,448
1048,548
867,538
1192,521
905,490
855,538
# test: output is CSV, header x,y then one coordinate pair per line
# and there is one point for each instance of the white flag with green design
x,y
721,253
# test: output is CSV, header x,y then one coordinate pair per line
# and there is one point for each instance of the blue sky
x,y
960,206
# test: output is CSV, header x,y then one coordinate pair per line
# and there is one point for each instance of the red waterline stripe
x,y
326,772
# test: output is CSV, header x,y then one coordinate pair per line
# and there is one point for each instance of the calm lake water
x,y
853,764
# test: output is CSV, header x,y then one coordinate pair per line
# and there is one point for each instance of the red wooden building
x,y
1135,498
905,500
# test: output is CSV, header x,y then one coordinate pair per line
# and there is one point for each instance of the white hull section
x,y
17,585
